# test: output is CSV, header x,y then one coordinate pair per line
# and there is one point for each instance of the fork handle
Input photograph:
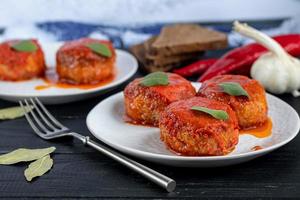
x,y
154,176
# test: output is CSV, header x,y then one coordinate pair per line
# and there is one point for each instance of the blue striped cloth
x,y
72,30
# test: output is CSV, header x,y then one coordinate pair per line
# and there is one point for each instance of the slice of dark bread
x,y
139,52
165,60
161,63
148,43
186,38
159,60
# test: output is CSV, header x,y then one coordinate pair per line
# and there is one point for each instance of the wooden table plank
x,y
93,175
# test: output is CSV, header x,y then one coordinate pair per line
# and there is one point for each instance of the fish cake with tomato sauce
x,y
78,64
144,104
251,112
18,65
194,133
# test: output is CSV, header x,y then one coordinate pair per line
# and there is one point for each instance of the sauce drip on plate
x,y
51,80
260,132
256,148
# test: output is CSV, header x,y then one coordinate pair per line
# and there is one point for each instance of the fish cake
x,y
78,64
143,104
251,112
20,65
194,133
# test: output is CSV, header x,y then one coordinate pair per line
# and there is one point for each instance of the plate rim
x,y
88,91
141,154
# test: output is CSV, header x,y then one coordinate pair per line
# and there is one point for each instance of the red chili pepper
x,y
195,68
246,56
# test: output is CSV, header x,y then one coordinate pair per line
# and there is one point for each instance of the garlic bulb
x,y
276,70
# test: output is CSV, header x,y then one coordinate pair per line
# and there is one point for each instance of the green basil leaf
x,y
13,112
38,167
155,78
233,89
24,155
218,114
101,49
25,46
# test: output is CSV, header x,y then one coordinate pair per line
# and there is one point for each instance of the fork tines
x,y
40,119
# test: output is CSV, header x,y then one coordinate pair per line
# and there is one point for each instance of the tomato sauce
x,y
260,132
256,148
51,79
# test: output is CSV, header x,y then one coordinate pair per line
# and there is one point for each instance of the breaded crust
x,y
251,112
78,64
18,65
144,104
194,133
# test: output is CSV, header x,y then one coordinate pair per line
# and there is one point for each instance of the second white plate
x,y
126,66
106,123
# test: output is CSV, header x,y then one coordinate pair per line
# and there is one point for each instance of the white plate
x,y
105,121
126,66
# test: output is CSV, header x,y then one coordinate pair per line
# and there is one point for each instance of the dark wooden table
x,y
81,172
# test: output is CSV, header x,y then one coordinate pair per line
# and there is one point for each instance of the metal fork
x,y
47,127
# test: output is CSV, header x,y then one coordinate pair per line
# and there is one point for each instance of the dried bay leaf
x,y
38,167
101,49
25,46
234,89
23,155
155,78
13,112
218,114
